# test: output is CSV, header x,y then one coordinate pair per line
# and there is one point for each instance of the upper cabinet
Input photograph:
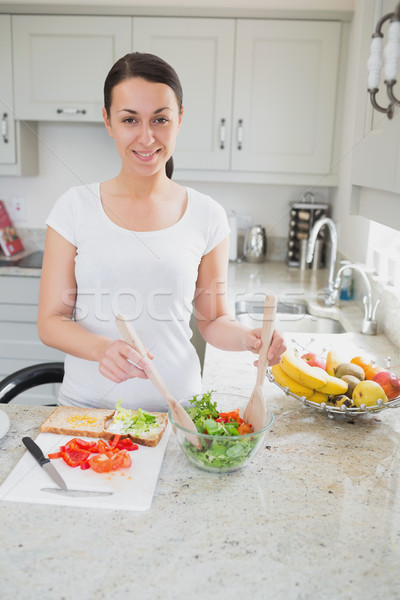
x,y
376,135
285,96
60,63
202,53
18,141
375,174
7,140
259,95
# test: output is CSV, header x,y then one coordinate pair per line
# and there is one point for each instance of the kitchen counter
x,y
315,515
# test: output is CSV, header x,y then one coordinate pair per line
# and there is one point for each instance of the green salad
x,y
219,453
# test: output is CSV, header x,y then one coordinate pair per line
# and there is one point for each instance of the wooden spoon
x,y
255,411
178,412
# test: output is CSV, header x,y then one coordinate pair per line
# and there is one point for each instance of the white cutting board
x,y
132,488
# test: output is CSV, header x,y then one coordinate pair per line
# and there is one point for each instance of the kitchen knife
x,y
44,462
55,475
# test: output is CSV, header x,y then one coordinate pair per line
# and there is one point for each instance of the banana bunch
x,y
313,383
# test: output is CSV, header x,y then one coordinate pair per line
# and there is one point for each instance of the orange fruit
x,y
361,362
372,370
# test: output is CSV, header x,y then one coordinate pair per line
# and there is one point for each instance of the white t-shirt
x,y
149,277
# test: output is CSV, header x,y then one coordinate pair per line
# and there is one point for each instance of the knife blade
x,y
76,493
44,462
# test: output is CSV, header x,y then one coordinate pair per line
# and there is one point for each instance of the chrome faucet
x,y
329,300
369,323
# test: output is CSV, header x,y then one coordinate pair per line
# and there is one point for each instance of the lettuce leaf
x,y
138,422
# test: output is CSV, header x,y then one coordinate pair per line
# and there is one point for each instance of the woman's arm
x,y
55,322
211,309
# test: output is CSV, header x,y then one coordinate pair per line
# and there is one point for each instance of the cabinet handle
x,y
222,132
71,111
240,134
4,128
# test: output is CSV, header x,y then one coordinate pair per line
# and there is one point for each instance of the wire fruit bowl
x,y
337,410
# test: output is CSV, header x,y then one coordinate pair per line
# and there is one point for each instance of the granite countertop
x,y
314,516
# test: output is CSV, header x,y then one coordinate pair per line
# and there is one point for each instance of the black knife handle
x,y
35,451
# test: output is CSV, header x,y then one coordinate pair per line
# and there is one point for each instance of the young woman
x,y
140,245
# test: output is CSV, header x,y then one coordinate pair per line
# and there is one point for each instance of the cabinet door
x,y
201,51
20,345
7,132
285,95
376,151
60,64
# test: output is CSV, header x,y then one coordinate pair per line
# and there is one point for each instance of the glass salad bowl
x,y
222,453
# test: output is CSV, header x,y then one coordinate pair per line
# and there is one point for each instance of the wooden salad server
x,y
255,412
178,412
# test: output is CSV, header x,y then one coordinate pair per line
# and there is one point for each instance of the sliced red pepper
x,y
74,458
114,442
233,415
127,444
84,444
85,465
55,455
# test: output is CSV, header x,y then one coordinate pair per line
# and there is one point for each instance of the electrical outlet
x,y
18,209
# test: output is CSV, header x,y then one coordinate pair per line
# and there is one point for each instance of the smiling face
x,y
144,120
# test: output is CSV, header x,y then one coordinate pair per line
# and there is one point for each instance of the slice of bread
x,y
94,422
149,438
72,420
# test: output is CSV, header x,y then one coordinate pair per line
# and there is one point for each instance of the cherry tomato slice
x,y
102,446
126,462
245,428
101,463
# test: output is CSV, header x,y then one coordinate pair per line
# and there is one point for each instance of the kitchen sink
x,y
290,317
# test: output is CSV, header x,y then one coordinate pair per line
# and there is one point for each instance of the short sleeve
x,y
62,218
218,226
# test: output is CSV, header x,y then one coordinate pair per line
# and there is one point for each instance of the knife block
x,y
303,216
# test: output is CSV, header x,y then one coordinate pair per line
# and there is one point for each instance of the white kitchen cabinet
x,y
285,95
202,53
376,155
20,345
259,95
60,63
18,141
375,173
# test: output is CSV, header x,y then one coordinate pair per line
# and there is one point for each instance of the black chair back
x,y
30,377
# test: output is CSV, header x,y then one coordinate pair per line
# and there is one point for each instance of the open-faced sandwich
x,y
142,427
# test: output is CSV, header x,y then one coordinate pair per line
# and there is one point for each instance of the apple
x,y
389,382
314,360
368,392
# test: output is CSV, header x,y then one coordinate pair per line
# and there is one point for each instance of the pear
x,y
368,392
332,361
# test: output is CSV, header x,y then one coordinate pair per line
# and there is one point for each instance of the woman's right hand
x,y
116,362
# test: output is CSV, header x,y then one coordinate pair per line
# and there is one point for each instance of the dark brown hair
x,y
148,67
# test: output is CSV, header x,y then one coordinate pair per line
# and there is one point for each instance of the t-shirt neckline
x,y
166,230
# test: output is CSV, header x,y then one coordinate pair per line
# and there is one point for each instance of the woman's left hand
x,y
277,346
